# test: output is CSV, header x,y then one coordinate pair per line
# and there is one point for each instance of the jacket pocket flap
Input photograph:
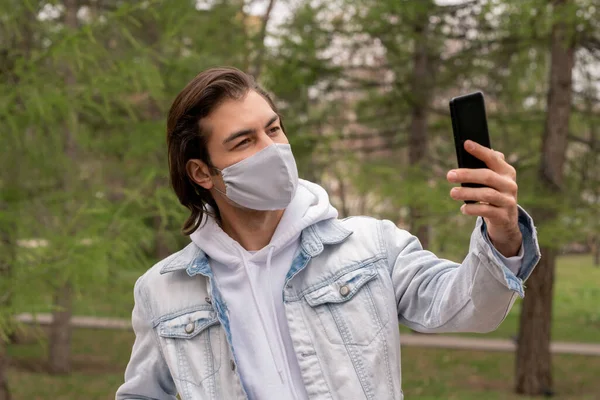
x,y
188,325
342,289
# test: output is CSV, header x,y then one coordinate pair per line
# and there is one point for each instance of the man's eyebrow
x,y
273,119
245,132
237,134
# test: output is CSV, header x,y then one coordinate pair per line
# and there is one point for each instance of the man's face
x,y
237,130
241,128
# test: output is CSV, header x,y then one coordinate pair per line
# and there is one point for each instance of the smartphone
x,y
469,122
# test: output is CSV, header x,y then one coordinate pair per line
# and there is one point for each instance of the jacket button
x,y
344,290
189,328
232,365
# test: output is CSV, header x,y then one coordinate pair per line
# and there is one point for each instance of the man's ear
x,y
199,172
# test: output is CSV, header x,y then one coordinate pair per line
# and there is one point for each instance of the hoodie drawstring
x,y
273,310
260,315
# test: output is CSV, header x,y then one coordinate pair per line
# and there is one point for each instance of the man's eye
x,y
242,143
274,129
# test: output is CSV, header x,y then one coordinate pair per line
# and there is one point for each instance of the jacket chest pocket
x,y
351,308
191,347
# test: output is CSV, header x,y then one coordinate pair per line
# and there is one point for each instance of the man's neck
x,y
251,229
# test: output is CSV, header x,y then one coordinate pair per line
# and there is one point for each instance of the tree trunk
x,y
596,251
533,359
60,330
7,257
8,253
594,165
257,65
4,392
11,176
534,363
417,140
162,247
342,192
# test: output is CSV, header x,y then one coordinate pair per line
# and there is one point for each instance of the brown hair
x,y
186,139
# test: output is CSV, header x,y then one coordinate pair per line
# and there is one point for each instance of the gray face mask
x,y
264,181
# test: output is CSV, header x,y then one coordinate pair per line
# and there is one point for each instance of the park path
x,y
412,339
486,344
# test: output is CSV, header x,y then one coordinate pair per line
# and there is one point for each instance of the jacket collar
x,y
329,231
192,259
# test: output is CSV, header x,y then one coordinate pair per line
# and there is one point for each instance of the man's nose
x,y
264,140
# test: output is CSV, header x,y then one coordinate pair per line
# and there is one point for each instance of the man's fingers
x,y
485,177
496,214
485,195
493,159
508,169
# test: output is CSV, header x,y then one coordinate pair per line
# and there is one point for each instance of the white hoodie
x,y
251,284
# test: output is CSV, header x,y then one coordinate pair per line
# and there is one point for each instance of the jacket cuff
x,y
486,251
513,263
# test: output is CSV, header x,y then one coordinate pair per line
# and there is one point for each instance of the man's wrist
x,y
507,244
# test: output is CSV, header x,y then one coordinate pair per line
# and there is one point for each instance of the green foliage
x,y
83,169
501,48
294,67
103,89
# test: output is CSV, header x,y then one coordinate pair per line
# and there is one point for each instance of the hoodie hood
x,y
309,206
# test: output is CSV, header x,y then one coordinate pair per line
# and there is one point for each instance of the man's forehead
x,y
236,114
252,103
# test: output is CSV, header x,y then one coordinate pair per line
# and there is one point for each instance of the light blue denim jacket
x,y
350,284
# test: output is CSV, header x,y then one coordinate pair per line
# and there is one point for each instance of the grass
x,y
112,298
100,357
114,301
466,375
576,315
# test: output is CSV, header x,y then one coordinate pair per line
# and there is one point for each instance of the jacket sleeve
x,y
435,295
147,376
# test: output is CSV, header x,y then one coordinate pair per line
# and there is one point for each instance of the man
x,y
276,298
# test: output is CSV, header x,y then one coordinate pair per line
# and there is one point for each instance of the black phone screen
x,y
469,123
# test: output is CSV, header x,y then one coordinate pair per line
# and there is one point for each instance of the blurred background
x,y
363,86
